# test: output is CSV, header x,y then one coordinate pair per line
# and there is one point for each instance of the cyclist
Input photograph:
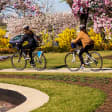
x,y
29,37
87,43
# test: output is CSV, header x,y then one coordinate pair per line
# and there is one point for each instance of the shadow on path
x,y
56,67
106,69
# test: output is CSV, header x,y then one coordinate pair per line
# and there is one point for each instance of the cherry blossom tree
x,y
100,12
3,3
27,7
23,7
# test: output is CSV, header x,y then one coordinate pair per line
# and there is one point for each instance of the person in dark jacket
x,y
29,37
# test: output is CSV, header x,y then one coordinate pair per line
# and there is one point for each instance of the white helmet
x,y
82,26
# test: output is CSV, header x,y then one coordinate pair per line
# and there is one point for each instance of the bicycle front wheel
x,y
18,61
96,61
72,61
40,62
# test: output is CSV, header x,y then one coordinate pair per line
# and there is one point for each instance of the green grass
x,y
56,60
63,97
3,27
102,75
73,77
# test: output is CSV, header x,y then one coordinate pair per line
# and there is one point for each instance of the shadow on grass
x,y
60,66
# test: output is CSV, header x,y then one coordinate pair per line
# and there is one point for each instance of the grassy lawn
x,y
56,60
63,97
3,27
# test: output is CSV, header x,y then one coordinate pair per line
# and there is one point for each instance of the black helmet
x,y
26,27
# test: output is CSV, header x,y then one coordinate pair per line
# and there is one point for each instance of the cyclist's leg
x,y
24,49
88,48
31,49
30,55
80,55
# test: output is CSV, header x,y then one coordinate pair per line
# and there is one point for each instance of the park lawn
x,y
3,27
63,97
45,74
56,60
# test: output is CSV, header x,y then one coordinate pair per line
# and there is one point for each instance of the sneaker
x,y
82,67
32,63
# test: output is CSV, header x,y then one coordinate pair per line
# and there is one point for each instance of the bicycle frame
x,y
77,50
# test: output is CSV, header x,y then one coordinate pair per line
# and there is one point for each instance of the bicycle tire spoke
x,y
96,62
72,62
18,62
40,63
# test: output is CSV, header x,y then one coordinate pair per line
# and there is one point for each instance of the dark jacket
x,y
29,38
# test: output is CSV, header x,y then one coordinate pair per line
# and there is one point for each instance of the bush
x,y
64,38
4,43
47,40
6,50
100,44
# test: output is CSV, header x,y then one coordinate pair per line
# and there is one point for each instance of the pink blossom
x,y
97,14
107,2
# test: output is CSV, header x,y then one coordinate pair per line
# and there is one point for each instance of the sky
x,y
61,6
57,7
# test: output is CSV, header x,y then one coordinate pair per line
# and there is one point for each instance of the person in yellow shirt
x,y
87,43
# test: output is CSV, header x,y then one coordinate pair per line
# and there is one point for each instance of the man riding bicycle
x,y
87,43
29,37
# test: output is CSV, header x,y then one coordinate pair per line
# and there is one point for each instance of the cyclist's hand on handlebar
x,y
72,41
16,43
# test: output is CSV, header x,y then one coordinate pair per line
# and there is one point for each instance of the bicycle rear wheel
x,y
72,61
40,62
18,61
96,61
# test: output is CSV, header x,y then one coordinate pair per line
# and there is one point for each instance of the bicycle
x,y
93,61
19,60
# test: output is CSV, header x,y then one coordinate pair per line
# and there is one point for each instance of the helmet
x,y
26,27
82,27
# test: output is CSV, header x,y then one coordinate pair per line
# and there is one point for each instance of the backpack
x,y
37,40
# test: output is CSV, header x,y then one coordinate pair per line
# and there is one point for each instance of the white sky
x,y
58,7
61,6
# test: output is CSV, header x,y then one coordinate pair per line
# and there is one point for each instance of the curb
x,y
34,98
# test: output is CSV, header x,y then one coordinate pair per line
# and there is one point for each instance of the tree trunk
x,y
83,17
70,2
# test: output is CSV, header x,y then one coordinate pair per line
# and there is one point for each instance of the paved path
x,y
61,70
34,100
